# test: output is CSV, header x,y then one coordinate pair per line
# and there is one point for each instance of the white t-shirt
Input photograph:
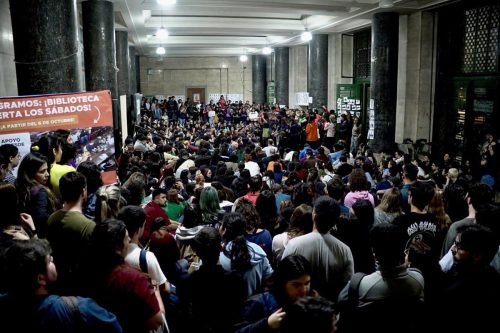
x,y
253,168
154,269
270,150
289,155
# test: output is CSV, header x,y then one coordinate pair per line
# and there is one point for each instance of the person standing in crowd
x,y
11,154
29,306
472,285
134,218
241,256
153,210
69,231
14,225
331,260
51,146
383,301
124,290
35,198
357,130
312,134
197,301
4,167
265,312
92,174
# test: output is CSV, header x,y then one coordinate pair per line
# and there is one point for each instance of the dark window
x,y
362,55
481,40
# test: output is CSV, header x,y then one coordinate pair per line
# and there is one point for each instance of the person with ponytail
x,y
35,198
109,201
239,255
51,146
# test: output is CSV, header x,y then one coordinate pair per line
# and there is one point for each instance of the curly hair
x,y
358,181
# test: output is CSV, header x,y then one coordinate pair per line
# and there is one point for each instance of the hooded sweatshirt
x,y
352,197
261,268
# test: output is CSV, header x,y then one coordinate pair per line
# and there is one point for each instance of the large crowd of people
x,y
240,217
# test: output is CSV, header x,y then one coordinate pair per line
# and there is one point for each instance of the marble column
x,y
123,63
133,70
46,46
137,60
100,55
317,74
281,61
383,89
131,112
259,78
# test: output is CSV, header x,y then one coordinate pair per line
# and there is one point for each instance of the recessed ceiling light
x,y
166,2
386,3
243,58
160,50
267,50
306,36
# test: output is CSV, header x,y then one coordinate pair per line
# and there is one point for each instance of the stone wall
x,y
171,76
416,77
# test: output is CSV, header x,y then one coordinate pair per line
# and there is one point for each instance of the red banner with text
x,y
52,112
88,116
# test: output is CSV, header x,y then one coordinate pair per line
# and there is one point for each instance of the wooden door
x,y
196,94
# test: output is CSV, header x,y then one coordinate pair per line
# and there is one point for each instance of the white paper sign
x,y
21,140
302,98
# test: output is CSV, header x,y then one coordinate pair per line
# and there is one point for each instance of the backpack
x,y
388,315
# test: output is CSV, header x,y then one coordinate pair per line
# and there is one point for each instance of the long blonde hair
x,y
109,202
436,207
391,201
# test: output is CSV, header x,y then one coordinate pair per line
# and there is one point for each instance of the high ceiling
x,y
235,27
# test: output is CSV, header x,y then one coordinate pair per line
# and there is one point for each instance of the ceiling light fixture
x,y
162,33
160,50
267,50
306,36
243,58
386,3
166,2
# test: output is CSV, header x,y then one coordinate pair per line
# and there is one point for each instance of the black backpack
x,y
389,315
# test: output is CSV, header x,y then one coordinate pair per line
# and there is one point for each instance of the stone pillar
x,y
131,112
133,70
123,63
100,56
281,61
46,46
259,78
137,60
385,32
317,74
298,73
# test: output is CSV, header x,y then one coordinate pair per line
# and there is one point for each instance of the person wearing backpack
x,y
146,261
28,306
388,300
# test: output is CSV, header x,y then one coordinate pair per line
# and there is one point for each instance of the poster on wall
x,y
346,103
302,98
214,97
371,121
234,97
87,116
